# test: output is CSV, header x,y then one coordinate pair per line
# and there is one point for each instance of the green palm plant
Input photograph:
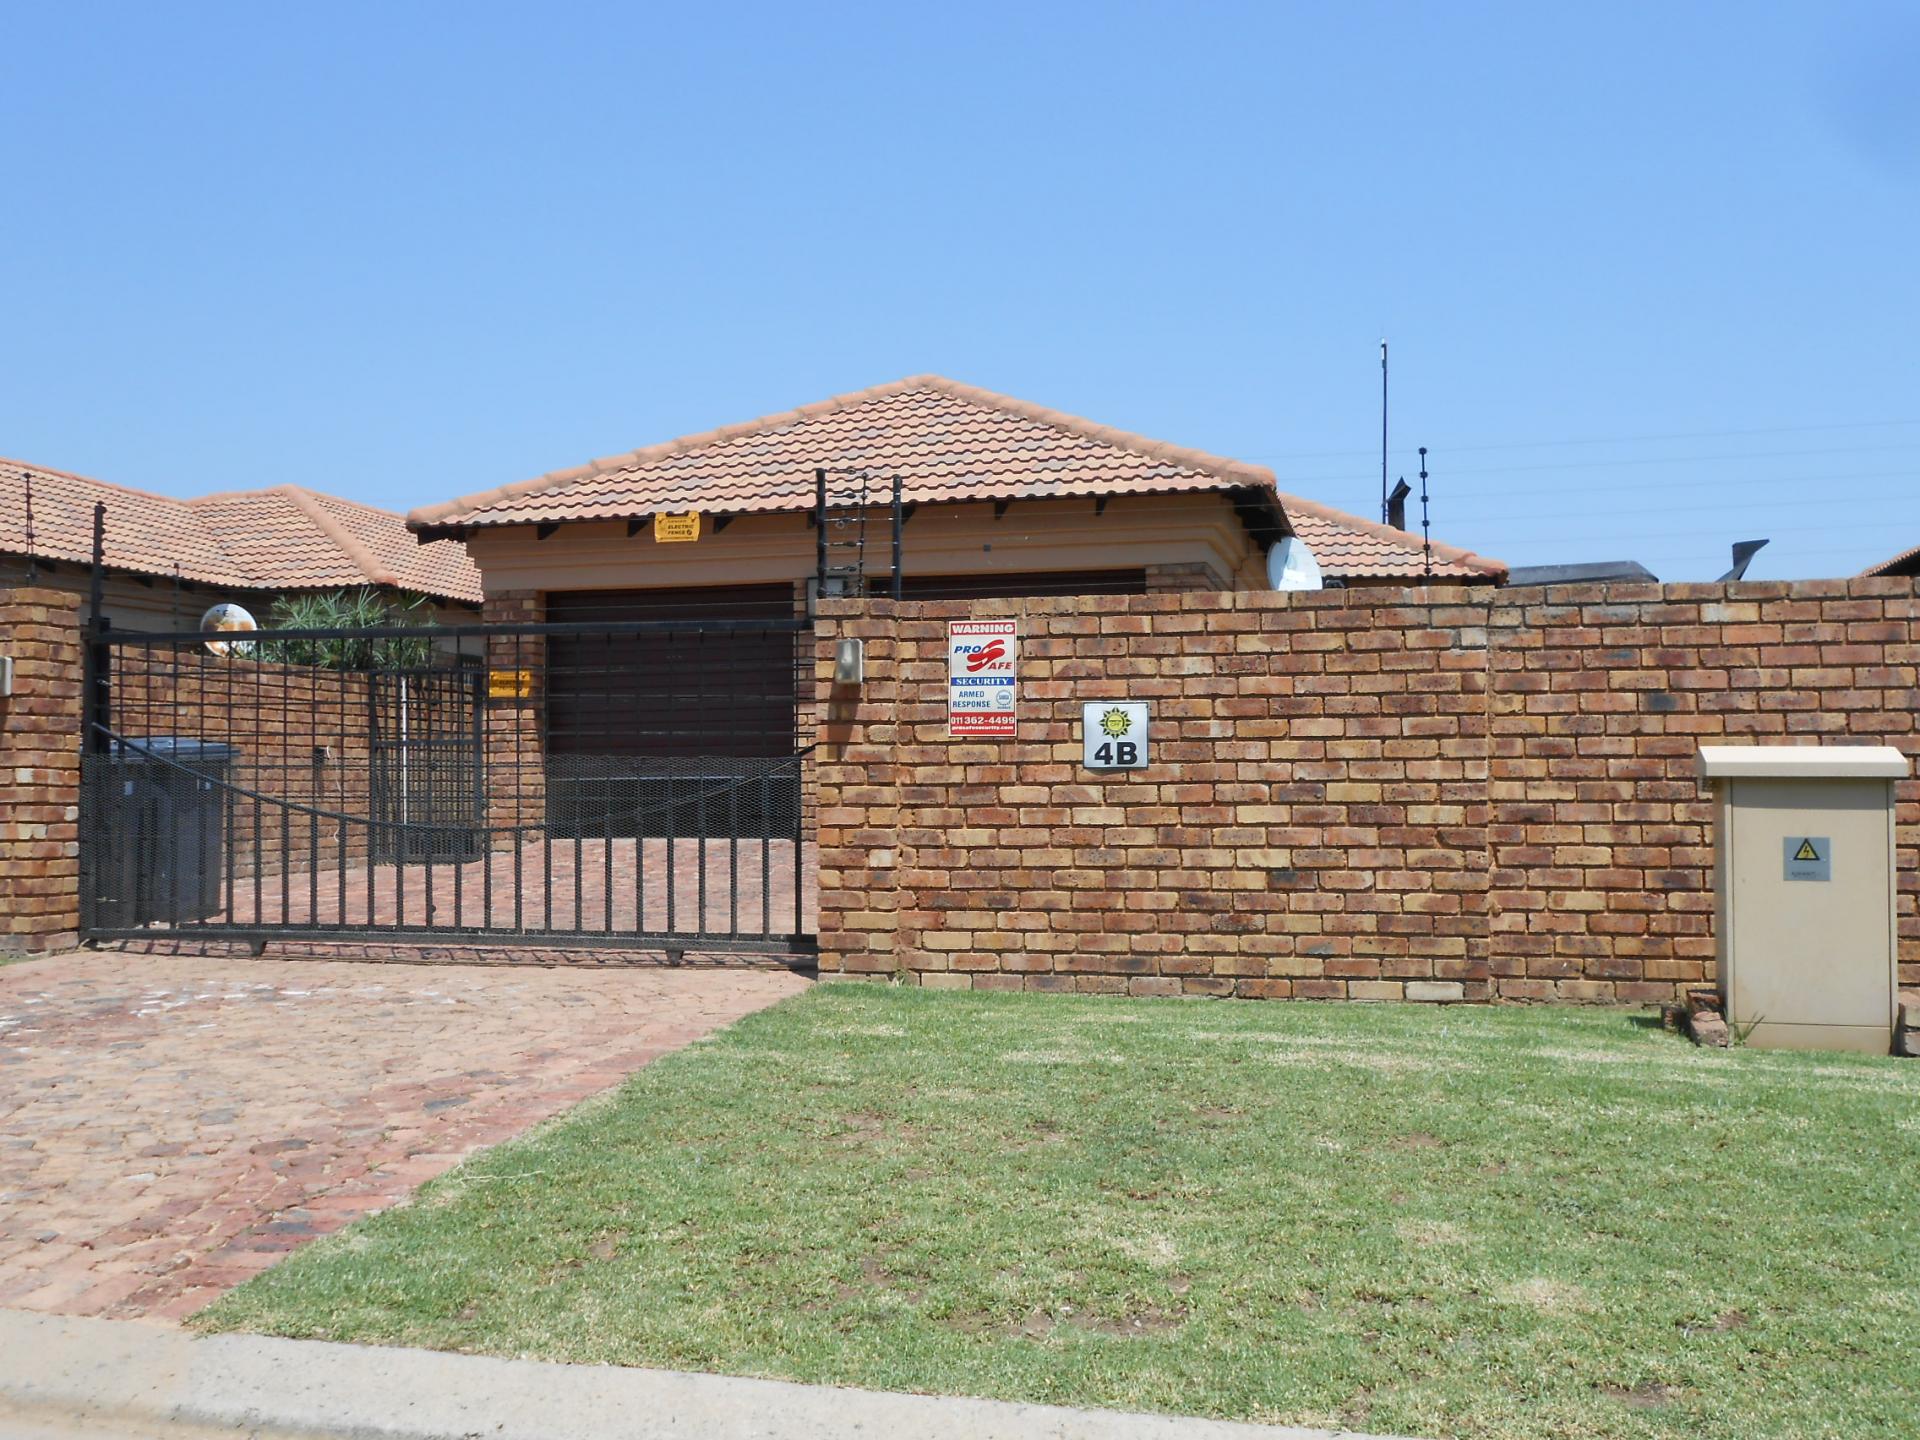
x,y
363,609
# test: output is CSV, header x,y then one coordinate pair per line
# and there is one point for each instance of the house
x,y
1907,562
1001,497
168,559
998,497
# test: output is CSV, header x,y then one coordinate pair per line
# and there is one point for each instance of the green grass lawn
x,y
1461,1222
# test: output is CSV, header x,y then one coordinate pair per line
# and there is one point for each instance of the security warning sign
x,y
1809,857
983,676
670,529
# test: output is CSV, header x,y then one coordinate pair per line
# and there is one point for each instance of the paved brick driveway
x,y
171,1125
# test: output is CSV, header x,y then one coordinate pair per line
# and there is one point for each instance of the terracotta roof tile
x,y
947,442
1350,547
286,538
1905,563
269,537
392,554
158,535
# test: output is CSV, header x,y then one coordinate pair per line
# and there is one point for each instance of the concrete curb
x,y
61,1375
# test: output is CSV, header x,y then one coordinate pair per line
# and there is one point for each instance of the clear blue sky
x,y
1651,273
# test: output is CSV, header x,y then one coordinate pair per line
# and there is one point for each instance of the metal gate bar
x,y
639,784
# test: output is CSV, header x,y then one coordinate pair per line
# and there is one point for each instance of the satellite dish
x,y
1291,566
226,618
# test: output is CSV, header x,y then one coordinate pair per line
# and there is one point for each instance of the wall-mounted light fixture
x,y
849,662
6,676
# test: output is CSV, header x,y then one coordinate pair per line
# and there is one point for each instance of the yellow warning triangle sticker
x,y
1806,851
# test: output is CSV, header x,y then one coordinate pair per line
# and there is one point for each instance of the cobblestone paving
x,y
171,1125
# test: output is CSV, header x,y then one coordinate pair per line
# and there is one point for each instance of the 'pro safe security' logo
x,y
980,659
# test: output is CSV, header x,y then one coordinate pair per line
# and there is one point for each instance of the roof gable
x,y
946,441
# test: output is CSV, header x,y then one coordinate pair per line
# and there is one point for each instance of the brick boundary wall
x,y
280,720
1367,794
40,770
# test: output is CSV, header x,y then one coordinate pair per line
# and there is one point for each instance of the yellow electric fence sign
x,y
669,528
509,684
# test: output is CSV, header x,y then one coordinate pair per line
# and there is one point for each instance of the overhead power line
x,y
1601,440
1746,483
1622,461
1631,539
1881,511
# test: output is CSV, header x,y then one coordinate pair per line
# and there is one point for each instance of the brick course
x,y
1364,794
40,769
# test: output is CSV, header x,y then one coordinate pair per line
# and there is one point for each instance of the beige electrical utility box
x,y
1804,873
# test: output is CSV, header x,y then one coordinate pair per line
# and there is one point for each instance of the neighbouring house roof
x,y
948,443
1579,572
1349,546
285,538
1907,562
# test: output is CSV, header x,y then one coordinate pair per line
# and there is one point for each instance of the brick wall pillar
x,y
860,846
40,728
516,706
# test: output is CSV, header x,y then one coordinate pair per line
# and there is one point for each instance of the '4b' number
x,y
1117,752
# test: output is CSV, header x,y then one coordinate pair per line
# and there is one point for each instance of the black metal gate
x,y
426,748
635,785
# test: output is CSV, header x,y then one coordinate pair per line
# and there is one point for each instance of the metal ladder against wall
x,y
844,503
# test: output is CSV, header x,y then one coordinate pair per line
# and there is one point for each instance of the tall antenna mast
x,y
1426,532
1383,432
